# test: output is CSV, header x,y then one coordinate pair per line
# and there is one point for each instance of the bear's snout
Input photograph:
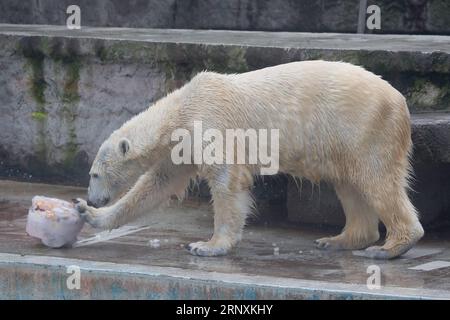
x,y
89,203
98,204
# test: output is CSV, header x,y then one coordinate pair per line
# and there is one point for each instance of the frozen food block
x,y
56,222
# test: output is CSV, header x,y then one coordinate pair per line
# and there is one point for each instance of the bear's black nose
x,y
90,204
105,201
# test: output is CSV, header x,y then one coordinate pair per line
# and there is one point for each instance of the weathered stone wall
x,y
404,16
58,104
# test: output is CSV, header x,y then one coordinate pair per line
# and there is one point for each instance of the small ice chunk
x,y
300,251
276,251
274,244
154,243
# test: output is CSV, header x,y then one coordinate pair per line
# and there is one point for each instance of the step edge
x,y
218,278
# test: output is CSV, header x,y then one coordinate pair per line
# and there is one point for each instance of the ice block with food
x,y
56,222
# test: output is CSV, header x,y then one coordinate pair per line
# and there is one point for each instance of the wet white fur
x,y
337,122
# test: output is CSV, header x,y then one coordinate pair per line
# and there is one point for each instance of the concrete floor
x,y
122,264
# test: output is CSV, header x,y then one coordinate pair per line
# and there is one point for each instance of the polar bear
x,y
337,122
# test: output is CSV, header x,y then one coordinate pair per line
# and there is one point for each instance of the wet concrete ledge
x,y
332,41
44,277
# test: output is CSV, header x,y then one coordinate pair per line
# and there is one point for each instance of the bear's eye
x,y
94,175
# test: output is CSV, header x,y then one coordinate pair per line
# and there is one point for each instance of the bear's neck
x,y
150,130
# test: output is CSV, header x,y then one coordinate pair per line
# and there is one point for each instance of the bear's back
x,y
297,97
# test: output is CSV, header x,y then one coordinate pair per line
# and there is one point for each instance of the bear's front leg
x,y
232,204
151,190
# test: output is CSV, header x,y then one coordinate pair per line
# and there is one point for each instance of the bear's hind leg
x,y
361,226
402,224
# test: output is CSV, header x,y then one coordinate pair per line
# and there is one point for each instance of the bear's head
x,y
114,171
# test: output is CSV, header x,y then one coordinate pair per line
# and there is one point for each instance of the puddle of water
x,y
431,266
10,210
415,253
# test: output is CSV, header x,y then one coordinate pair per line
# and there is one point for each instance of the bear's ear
x,y
124,146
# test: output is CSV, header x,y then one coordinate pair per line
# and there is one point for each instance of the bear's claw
x,y
80,205
327,243
205,249
374,252
321,244
86,213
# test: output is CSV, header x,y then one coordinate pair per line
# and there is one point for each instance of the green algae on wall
x,y
64,55
37,84
57,53
430,93
70,90
39,115
71,150
424,94
178,62
226,59
70,98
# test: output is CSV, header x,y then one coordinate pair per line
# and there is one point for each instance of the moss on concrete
x,y
118,51
39,115
226,59
37,83
70,90
179,62
424,94
71,150
34,67
59,53
70,99
65,54
445,95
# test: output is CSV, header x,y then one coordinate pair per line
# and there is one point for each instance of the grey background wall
x,y
401,16
62,96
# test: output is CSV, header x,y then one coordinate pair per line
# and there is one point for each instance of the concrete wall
x,y
61,97
404,16
58,108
